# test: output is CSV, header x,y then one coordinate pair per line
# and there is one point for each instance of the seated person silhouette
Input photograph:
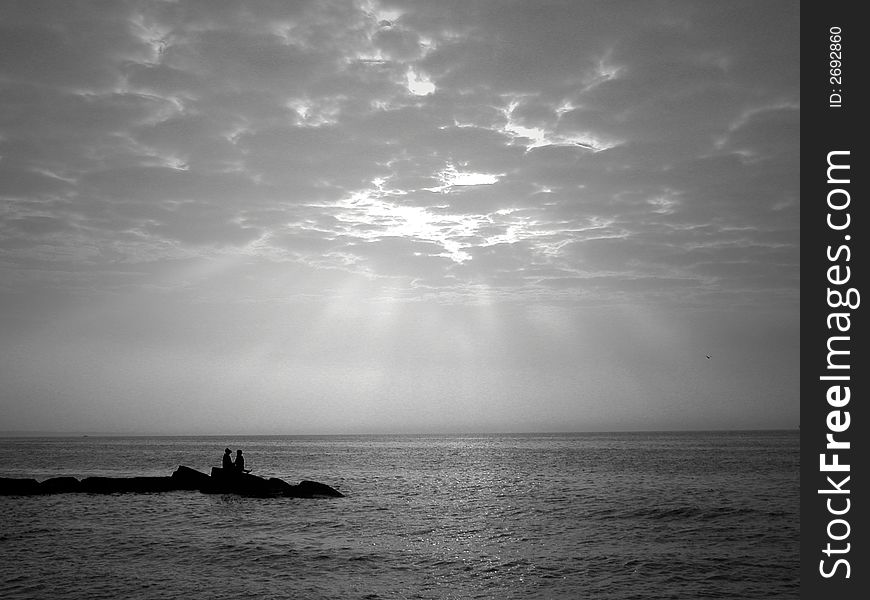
x,y
227,463
240,463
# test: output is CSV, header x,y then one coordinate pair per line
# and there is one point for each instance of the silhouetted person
x,y
240,462
228,461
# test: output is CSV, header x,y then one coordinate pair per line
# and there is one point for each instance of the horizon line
x,y
8,434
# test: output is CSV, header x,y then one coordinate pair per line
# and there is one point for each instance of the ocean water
x,y
603,516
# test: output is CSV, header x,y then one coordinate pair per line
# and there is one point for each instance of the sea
x,y
588,515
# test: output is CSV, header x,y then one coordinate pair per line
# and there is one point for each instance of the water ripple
x,y
610,517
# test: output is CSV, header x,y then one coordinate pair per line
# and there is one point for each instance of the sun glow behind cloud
x,y
450,176
419,84
378,212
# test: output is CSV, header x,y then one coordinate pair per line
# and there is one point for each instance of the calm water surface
x,y
604,516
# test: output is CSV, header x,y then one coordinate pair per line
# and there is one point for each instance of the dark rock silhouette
x,y
313,489
281,485
18,487
115,485
59,485
245,484
184,478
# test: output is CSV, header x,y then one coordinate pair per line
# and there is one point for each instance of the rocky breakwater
x,y
184,478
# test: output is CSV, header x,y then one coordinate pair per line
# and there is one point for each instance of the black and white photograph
x,y
400,299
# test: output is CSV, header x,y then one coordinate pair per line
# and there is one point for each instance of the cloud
x,y
463,139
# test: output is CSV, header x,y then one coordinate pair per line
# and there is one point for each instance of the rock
x,y
219,482
251,485
99,485
185,478
313,489
59,485
150,485
244,484
117,485
282,486
10,486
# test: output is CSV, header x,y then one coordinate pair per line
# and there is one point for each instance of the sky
x,y
327,217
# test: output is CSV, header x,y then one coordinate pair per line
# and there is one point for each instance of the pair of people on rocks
x,y
237,466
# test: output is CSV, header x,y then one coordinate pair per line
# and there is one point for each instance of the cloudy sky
x,y
398,216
